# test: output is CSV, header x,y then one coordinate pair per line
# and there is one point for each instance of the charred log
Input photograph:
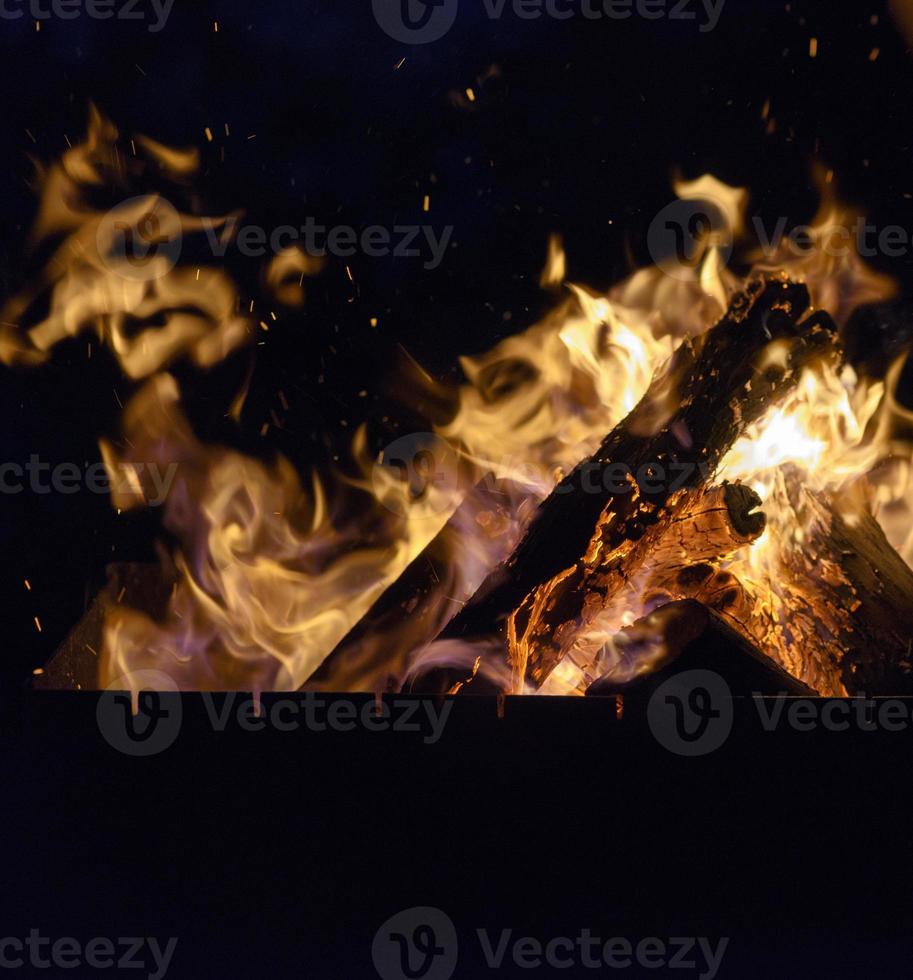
x,y
373,656
593,535
690,637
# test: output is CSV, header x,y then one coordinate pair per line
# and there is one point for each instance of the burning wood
x,y
849,594
686,635
358,580
375,653
556,596
655,541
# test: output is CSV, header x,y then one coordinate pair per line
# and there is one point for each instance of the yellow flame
x,y
270,571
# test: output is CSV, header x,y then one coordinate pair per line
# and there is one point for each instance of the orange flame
x,y
267,577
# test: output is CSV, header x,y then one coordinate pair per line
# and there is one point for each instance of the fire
x,y
269,570
821,429
114,272
541,401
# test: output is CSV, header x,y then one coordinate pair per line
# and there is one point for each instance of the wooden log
x,y
583,544
835,606
713,524
686,635
838,608
703,526
374,655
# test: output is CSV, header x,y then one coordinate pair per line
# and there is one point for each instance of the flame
x,y
541,401
555,270
827,258
114,272
267,575
269,570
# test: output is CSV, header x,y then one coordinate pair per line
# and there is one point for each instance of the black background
x,y
279,857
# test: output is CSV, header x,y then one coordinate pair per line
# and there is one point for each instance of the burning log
x,y
712,524
686,635
860,588
704,525
845,619
592,537
373,656
848,593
